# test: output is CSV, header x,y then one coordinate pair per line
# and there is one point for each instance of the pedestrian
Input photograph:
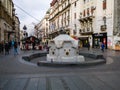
x,y
6,48
12,43
33,45
88,46
26,46
2,47
102,47
15,48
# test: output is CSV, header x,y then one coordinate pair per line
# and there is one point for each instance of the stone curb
x,y
58,64
98,60
34,55
92,55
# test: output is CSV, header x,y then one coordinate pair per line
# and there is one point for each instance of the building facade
x,y
99,21
93,21
87,21
17,29
42,28
7,22
59,17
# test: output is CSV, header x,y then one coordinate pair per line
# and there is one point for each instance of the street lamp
x,y
25,33
24,27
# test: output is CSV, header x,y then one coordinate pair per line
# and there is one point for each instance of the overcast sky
x,y
36,8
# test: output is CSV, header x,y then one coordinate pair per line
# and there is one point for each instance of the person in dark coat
x,y
0,47
10,44
6,48
33,46
88,46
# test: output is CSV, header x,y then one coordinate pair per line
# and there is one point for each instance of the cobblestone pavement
x,y
17,75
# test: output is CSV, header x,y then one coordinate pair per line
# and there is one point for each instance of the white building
x,y
97,20
42,28
59,17
93,21
74,17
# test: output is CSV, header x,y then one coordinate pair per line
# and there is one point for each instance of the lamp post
x,y
25,33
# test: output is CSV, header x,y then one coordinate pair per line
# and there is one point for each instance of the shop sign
x,y
99,35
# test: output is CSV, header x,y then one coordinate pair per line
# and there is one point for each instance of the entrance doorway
x,y
83,41
98,39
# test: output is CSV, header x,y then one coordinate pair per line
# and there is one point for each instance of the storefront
x,y
98,38
83,41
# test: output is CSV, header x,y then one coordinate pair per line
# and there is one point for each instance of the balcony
x,y
86,31
13,27
89,18
103,27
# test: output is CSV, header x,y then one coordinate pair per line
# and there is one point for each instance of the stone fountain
x,y
64,49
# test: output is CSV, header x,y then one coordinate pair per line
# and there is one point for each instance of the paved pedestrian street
x,y
70,81
17,75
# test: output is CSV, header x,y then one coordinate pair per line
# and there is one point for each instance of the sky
x,y
36,9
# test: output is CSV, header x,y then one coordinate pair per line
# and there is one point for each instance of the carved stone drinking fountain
x,y
64,48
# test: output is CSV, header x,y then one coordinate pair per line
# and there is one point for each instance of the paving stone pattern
x,y
16,75
106,81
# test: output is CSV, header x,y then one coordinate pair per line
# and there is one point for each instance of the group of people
x,y
102,46
5,47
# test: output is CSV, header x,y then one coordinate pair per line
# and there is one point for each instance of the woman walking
x,y
15,48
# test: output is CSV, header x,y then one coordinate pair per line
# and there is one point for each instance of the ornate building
x,y
96,19
42,28
86,18
59,17
7,22
17,29
93,21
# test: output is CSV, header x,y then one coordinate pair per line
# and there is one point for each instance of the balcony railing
x,y
86,30
82,19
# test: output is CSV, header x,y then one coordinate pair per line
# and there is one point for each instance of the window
x,y
88,12
75,4
74,15
104,4
84,1
46,24
92,9
104,20
84,13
